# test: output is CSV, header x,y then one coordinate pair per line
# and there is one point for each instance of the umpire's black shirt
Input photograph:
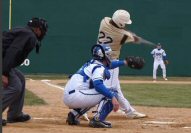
x,y
17,44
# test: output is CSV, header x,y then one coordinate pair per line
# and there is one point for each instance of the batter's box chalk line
x,y
187,127
159,122
41,118
47,82
163,123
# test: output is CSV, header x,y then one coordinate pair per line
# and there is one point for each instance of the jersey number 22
x,y
103,39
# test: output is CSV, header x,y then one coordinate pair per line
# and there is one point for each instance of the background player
x,y
112,31
160,58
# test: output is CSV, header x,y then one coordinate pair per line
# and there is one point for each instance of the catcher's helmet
x,y
39,23
121,18
102,52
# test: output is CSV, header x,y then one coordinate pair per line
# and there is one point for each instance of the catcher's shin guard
x,y
104,108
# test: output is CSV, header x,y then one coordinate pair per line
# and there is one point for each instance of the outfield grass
x,y
164,95
32,99
149,78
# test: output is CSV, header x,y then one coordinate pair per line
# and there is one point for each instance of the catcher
x,y
86,88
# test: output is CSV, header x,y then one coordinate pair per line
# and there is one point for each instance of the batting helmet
x,y
121,18
102,52
39,23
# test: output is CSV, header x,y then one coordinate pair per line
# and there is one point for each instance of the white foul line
x,y
159,122
186,127
52,85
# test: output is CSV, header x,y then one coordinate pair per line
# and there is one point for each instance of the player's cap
x,y
159,46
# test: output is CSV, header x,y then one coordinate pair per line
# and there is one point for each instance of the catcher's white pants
x,y
155,67
114,83
80,97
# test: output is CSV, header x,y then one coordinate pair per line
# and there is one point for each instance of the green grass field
x,y
154,94
32,99
162,95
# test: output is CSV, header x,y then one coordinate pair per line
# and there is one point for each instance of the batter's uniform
x,y
159,55
115,37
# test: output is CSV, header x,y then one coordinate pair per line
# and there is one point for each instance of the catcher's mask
x,y
42,25
102,52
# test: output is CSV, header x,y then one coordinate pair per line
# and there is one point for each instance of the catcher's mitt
x,y
135,62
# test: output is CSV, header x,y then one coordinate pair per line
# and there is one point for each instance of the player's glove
x,y
166,62
135,62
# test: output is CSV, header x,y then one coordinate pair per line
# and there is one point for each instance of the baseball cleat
x,y
154,80
99,124
136,115
121,112
21,118
165,79
71,120
4,122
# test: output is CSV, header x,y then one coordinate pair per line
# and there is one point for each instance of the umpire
x,y
17,44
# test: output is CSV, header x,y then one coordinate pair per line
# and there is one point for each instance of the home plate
x,y
159,122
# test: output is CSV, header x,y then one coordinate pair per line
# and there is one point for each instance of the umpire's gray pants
x,y
13,94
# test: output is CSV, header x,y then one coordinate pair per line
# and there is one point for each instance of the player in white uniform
x,y
85,89
112,31
160,58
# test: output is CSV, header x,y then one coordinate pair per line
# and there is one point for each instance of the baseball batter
x,y
160,59
112,31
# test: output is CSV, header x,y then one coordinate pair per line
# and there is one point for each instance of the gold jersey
x,y
115,37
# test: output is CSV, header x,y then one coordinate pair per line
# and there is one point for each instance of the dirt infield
x,y
51,118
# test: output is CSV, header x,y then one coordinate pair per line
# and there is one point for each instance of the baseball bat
x,y
143,41
146,42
